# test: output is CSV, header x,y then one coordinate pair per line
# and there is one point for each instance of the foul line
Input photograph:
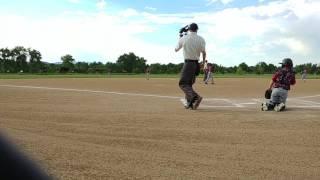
x,y
91,91
183,101
303,97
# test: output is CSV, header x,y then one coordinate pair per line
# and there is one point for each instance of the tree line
x,y
20,59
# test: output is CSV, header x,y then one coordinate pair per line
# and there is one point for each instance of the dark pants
x,y
205,75
187,79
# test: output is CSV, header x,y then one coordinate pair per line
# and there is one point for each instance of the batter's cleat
x,y
197,102
279,107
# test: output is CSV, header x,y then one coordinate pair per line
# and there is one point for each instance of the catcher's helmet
x,y
287,62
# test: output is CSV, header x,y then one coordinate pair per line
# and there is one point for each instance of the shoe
x,y
264,107
197,102
280,107
189,105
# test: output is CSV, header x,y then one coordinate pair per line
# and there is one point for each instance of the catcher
x,y
277,92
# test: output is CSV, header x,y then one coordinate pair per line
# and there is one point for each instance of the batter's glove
x,y
267,93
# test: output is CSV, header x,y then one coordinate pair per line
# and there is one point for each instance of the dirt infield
x,y
138,129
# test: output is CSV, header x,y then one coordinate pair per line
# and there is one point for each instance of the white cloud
x,y
101,4
294,45
266,32
150,8
74,1
269,31
129,13
210,2
226,1
106,36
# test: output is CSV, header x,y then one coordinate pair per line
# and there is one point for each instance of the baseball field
x,y
133,128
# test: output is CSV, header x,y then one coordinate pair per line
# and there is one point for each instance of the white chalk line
x,y
183,101
305,101
304,97
233,104
248,103
91,91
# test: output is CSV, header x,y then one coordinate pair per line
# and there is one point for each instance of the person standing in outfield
x,y
205,70
280,85
148,70
193,45
304,75
210,74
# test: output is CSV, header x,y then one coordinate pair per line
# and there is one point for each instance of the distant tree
x,y
219,69
311,68
97,67
261,67
232,69
158,68
271,68
51,67
81,67
22,64
155,68
140,65
243,67
19,55
173,68
35,63
131,63
314,69
2,61
67,63
113,67
9,64
240,70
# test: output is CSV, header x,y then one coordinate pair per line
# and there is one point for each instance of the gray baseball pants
x,y
278,95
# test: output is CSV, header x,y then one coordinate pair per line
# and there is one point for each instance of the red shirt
x,y
283,78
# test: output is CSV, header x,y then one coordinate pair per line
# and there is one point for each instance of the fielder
x,y
304,75
209,74
148,70
205,70
280,85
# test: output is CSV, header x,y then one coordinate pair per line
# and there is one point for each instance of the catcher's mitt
x,y
267,93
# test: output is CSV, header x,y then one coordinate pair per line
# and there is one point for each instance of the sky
x,y
235,31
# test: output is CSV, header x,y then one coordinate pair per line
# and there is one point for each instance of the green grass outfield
x,y
74,75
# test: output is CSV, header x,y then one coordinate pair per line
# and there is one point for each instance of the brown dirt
x,y
83,135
